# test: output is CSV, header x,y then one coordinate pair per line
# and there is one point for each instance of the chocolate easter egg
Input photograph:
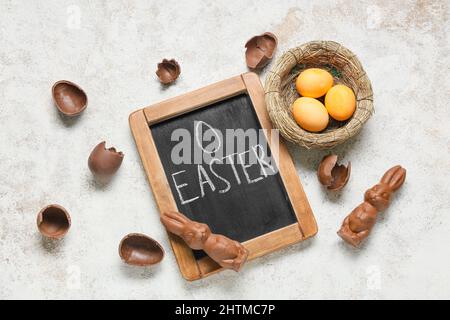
x,y
69,98
53,221
260,50
104,162
140,250
332,175
168,71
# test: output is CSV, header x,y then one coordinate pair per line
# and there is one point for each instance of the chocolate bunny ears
x,y
358,224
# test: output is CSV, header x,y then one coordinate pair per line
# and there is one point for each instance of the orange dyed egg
x,y
340,102
314,82
310,114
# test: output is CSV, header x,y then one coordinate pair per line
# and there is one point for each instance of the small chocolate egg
x,y
332,175
53,221
168,71
69,98
140,250
260,50
103,162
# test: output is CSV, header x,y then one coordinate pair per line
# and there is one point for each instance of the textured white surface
x,y
112,51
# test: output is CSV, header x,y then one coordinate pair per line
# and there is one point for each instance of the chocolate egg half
x,y
332,175
168,71
69,98
103,162
260,50
53,221
140,250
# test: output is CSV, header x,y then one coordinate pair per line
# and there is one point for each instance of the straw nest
x,y
281,92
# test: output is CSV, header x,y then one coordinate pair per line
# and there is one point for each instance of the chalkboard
x,y
249,191
253,202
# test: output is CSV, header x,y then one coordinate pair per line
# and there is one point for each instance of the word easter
x,y
247,166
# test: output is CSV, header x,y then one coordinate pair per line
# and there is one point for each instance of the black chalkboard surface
x,y
238,200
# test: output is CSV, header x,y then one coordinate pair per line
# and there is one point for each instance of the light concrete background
x,y
111,49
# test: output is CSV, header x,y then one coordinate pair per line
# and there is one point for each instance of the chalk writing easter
x,y
242,156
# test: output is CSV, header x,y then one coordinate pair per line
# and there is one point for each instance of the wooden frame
x,y
140,122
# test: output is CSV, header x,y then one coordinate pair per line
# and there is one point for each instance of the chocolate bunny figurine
x,y
227,253
358,224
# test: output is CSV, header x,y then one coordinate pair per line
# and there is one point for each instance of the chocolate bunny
x,y
358,224
227,253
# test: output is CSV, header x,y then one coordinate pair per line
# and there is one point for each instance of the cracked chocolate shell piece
x,y
69,98
260,50
104,162
140,250
53,221
332,175
168,71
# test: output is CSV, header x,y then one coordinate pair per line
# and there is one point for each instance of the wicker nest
x,y
281,93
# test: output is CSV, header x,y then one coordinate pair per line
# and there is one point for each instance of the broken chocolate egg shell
x,y
69,98
260,50
104,162
168,71
333,175
140,250
53,221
